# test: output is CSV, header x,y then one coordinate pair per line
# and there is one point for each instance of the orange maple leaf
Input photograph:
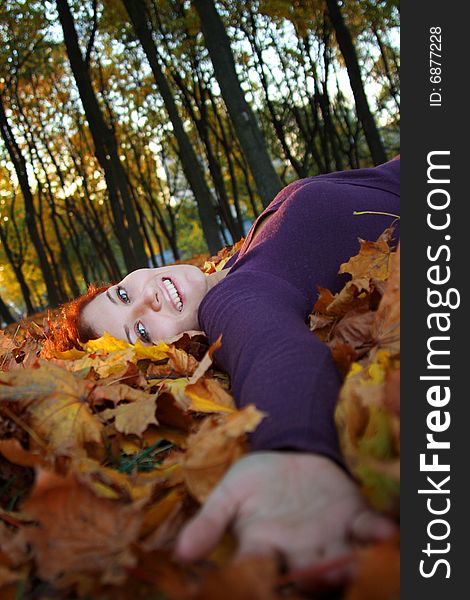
x,y
79,533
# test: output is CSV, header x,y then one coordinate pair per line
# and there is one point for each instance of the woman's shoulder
x,y
385,177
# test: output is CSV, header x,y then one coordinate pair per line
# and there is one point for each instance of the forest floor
x,y
105,453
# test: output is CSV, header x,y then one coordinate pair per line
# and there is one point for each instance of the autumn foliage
x,y
106,452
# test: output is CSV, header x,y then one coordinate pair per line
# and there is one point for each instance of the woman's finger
x,y
204,531
368,526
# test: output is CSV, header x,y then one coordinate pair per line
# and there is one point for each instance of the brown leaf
x,y
372,261
78,532
206,361
321,325
131,375
159,371
8,576
219,442
36,384
133,417
325,298
170,412
57,404
117,392
13,548
250,578
392,391
65,423
352,296
386,327
344,355
167,578
355,328
181,362
158,512
13,451
378,576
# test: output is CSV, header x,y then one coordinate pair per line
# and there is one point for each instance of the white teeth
x,y
173,293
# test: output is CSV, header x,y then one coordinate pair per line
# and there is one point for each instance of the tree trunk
x,y
192,169
16,266
19,164
106,151
202,127
5,313
345,43
34,151
244,121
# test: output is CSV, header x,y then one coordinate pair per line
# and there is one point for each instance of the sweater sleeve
x,y
260,308
275,362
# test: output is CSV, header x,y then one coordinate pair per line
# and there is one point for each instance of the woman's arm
x,y
299,503
275,362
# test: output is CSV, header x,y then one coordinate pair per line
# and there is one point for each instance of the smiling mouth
x,y
173,293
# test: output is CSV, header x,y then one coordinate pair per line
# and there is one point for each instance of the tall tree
x,y
346,45
5,313
244,121
106,148
15,252
19,164
137,11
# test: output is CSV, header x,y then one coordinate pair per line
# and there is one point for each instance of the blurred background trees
x,y
138,132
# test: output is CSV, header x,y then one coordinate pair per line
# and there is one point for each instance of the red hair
x,y
68,330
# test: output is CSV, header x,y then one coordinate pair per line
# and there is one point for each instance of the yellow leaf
x,y
372,261
129,446
175,436
158,512
158,352
207,395
176,387
57,403
104,365
109,483
355,368
207,406
72,354
106,343
65,423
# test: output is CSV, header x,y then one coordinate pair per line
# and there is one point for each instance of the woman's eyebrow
x,y
113,300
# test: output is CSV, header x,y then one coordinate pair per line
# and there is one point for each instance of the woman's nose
x,y
152,298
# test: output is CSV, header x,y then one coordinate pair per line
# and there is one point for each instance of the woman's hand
x,y
301,505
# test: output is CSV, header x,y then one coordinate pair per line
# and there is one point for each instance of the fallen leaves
x,y
79,534
363,332
101,435
108,450
134,417
215,447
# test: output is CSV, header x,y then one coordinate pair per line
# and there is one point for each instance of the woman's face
x,y
149,304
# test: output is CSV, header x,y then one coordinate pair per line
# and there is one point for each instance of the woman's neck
x,y
214,278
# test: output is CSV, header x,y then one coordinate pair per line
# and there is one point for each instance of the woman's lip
x,y
178,289
167,294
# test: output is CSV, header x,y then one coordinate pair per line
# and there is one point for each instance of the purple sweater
x,y
261,307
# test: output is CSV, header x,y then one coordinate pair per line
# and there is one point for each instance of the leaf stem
x,y
375,212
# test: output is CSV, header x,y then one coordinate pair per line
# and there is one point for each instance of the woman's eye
x,y
142,332
121,292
